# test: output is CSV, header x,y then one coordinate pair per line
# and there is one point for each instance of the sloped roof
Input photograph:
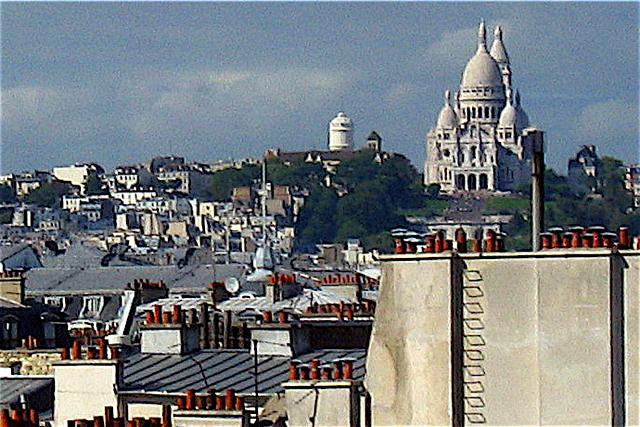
x,y
298,303
221,369
12,387
65,281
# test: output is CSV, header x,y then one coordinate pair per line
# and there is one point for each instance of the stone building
x,y
478,141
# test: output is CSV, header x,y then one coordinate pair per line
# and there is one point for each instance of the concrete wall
x,y
209,418
169,339
322,403
83,388
506,339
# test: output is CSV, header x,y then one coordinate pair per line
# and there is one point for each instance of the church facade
x,y
477,143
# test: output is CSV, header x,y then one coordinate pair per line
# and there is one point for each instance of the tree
x,y
6,194
48,194
224,181
94,185
317,222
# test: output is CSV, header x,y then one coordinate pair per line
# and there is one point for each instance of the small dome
x,y
498,52
341,120
482,69
447,118
508,116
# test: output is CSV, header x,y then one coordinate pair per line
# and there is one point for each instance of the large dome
x,y
482,70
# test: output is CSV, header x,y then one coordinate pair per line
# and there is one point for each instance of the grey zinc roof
x,y
220,369
12,387
64,281
9,251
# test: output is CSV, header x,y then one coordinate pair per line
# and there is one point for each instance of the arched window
x,y
484,181
486,112
460,182
471,181
473,113
479,112
473,153
493,112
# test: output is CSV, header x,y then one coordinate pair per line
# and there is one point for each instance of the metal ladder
x,y
474,347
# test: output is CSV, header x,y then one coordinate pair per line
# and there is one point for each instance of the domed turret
x,y
448,119
482,69
341,133
509,115
498,52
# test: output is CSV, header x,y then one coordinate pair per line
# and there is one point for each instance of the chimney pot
x,y
157,314
201,402
267,317
230,399
240,403
211,398
461,240
326,372
108,416
337,370
293,371
34,417
76,351
182,402
64,353
282,317
4,418
219,403
98,421
347,369
149,320
166,318
624,241
177,315
400,246
448,245
115,353
102,349
477,246
587,240
92,353
191,399
566,240
304,372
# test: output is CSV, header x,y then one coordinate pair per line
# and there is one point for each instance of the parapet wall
x,y
506,338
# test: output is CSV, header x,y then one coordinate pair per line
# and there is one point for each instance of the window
x,y
479,112
486,112
446,136
92,304
446,153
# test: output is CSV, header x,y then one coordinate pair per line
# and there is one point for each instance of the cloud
x,y
452,49
199,99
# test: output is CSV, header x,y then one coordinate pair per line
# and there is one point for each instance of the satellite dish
x,y
232,285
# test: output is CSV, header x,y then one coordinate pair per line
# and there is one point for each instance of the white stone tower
x,y
341,133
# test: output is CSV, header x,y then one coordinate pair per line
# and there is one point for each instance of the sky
x,y
120,83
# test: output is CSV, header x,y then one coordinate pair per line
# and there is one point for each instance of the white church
x,y
477,143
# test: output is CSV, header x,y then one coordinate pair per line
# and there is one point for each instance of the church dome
x,y
447,118
482,69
